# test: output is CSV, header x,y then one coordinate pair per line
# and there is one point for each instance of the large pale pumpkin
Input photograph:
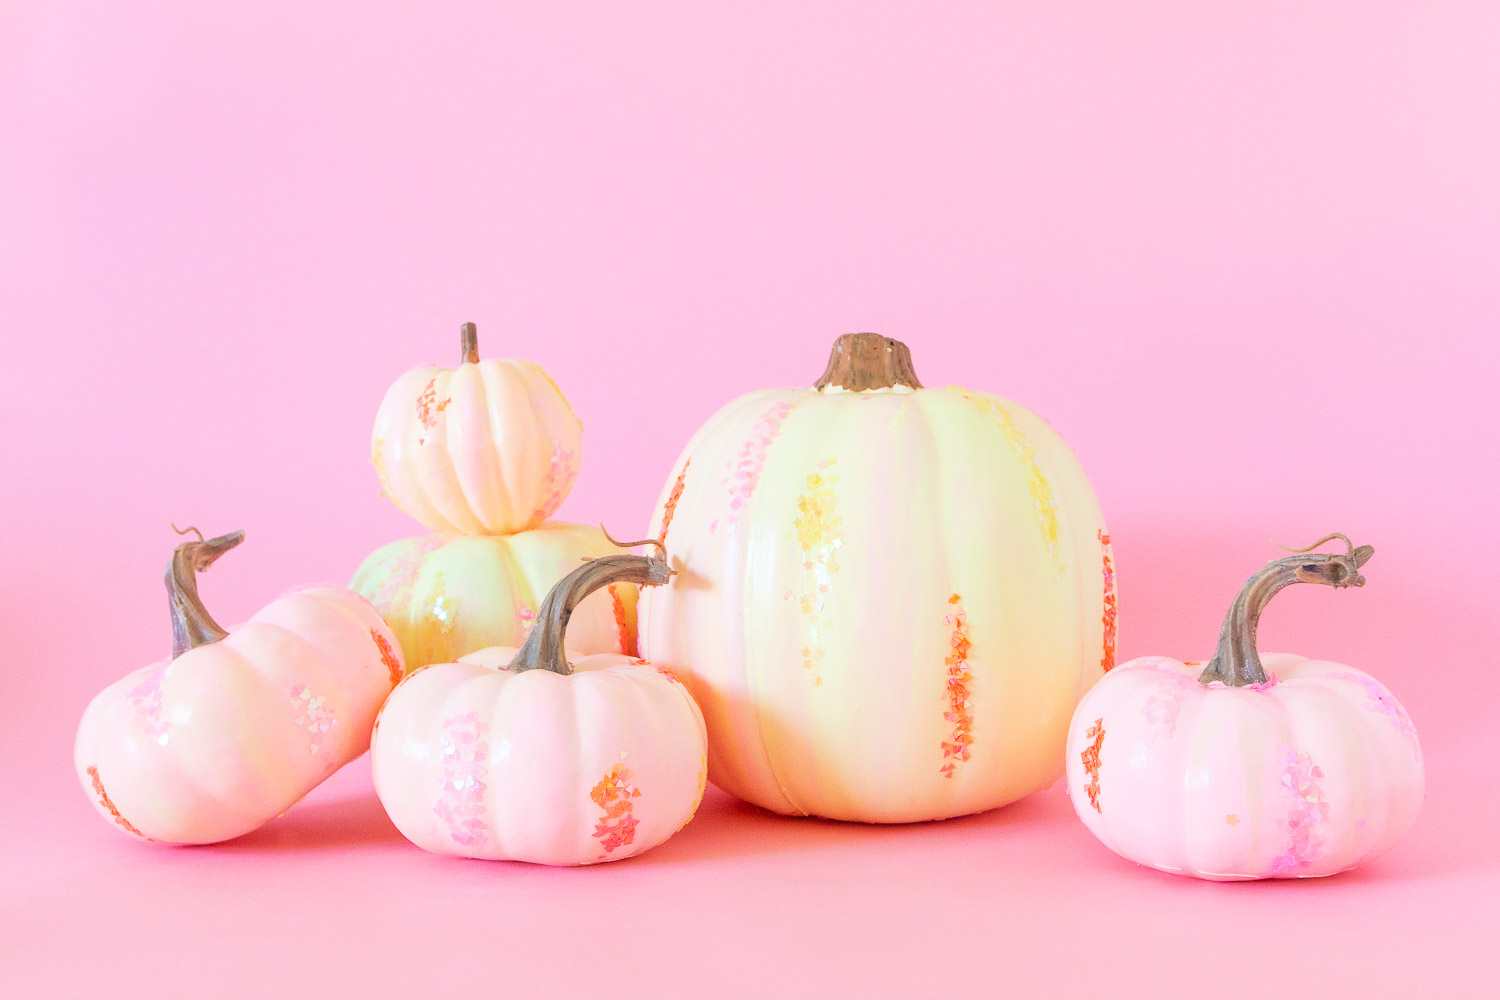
x,y
526,756
889,598
447,595
489,447
238,724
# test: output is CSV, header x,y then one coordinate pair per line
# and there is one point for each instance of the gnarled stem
x,y
545,647
468,344
192,625
1237,662
863,361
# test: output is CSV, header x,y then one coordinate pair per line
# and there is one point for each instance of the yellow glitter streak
x,y
442,618
697,799
820,534
377,459
1043,501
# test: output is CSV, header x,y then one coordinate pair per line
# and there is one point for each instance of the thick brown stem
x,y
192,625
863,361
1237,662
468,344
545,647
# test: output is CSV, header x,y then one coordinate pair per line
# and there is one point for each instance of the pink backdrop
x,y
1243,255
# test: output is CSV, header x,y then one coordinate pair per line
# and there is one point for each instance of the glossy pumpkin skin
x,y
490,447
212,744
447,595
473,760
1306,776
887,603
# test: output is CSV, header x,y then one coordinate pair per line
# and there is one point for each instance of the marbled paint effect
x,y
613,794
959,714
1090,758
109,807
465,748
1043,501
1306,810
742,478
671,505
820,535
1107,661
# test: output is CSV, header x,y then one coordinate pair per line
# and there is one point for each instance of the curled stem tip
x,y
661,548
183,531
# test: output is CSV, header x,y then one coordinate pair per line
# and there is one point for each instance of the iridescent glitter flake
x,y
443,611
393,595
560,475
314,715
1043,501
743,476
1233,819
1165,702
671,505
959,713
1381,701
109,807
428,407
1108,659
528,620
1306,810
387,657
820,534
465,749
622,622
1090,758
613,794
146,699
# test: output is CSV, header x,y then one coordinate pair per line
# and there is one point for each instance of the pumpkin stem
x,y
545,647
864,361
468,344
1237,663
192,625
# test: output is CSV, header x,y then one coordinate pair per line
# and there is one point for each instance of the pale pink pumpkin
x,y
489,447
1273,766
520,755
237,725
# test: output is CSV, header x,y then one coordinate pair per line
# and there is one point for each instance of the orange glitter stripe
x,y
616,828
388,657
627,644
672,498
1108,660
1090,757
93,773
956,749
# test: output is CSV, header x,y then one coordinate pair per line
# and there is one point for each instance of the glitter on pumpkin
x,y
616,827
393,594
443,612
428,407
146,699
464,745
956,748
1090,758
671,505
1164,703
742,478
1233,819
315,716
377,459
698,798
1108,660
1043,501
527,618
622,622
1381,701
1305,811
561,472
109,807
820,535
387,657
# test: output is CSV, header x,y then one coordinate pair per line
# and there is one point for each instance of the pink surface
x,y
1243,256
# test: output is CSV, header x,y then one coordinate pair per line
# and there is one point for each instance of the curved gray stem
x,y
192,625
545,647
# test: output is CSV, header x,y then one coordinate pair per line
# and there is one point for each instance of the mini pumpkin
x,y
490,447
1256,766
523,755
447,595
889,598
238,724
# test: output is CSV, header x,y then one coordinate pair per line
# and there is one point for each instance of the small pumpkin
x,y
238,724
522,755
490,447
1256,766
447,595
890,598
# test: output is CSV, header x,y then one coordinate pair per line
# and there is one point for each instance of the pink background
x,y
1243,255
